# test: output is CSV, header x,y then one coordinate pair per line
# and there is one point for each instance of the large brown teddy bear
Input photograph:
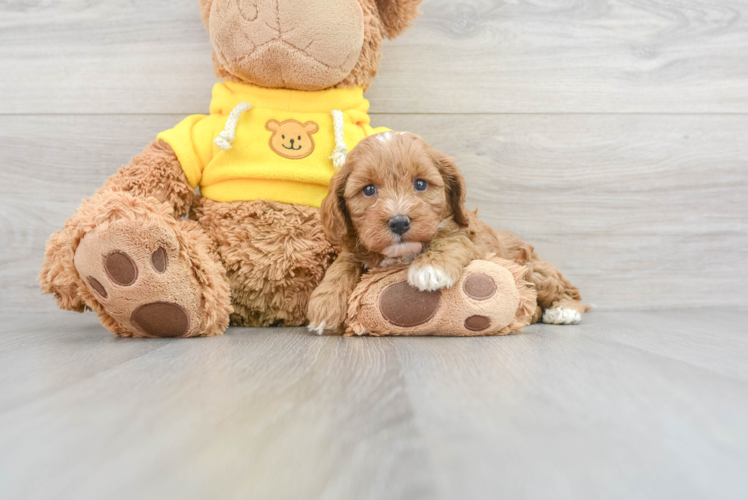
x,y
252,250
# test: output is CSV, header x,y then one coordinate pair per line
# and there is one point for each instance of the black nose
x,y
399,224
291,142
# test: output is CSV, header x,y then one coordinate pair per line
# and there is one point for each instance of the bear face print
x,y
292,139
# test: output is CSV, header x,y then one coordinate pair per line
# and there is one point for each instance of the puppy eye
x,y
299,137
421,185
283,136
370,190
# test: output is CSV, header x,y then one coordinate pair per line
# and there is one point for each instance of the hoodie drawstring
x,y
225,138
340,152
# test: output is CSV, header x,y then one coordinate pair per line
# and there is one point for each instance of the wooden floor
x,y
625,405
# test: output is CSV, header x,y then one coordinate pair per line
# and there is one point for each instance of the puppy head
x,y
392,195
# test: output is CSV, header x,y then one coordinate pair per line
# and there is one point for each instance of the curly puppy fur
x,y
443,236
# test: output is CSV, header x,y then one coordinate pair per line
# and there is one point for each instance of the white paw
x,y
561,316
429,278
318,329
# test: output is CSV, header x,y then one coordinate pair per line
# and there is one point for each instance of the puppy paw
x,y
327,312
318,329
323,327
427,278
561,316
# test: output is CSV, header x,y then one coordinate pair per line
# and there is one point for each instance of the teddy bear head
x,y
303,44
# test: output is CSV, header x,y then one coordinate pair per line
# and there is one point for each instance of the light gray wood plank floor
x,y
625,405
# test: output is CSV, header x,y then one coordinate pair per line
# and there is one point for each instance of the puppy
x,y
397,201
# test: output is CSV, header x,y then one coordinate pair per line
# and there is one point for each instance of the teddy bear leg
x,y
490,298
274,254
148,274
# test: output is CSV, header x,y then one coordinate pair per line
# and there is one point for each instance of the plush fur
x,y
274,254
443,236
259,259
381,19
113,208
509,310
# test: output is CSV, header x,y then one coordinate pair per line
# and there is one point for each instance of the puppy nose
x,y
399,224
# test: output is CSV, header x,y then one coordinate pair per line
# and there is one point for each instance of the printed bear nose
x,y
399,224
292,142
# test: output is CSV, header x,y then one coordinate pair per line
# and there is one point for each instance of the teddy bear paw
x,y
485,300
134,271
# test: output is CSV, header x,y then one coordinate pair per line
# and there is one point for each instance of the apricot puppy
x,y
397,201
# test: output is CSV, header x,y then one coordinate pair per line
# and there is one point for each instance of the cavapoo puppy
x,y
397,201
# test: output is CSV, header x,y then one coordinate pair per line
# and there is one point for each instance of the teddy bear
x,y
154,259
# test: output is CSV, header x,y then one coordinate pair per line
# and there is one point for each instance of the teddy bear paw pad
x,y
161,319
421,306
134,271
479,286
120,268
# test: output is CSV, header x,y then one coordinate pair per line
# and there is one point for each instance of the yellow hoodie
x,y
270,144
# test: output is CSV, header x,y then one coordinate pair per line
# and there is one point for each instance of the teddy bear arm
x,y
157,173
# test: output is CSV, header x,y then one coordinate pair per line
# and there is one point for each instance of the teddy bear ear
x,y
272,125
205,6
397,15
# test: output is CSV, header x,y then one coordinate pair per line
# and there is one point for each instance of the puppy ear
x,y
333,211
397,15
205,6
454,184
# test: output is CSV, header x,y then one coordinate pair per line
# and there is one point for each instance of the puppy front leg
x,y
442,264
328,305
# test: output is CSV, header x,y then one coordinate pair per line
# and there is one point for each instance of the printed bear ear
x,y
273,125
396,15
311,128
